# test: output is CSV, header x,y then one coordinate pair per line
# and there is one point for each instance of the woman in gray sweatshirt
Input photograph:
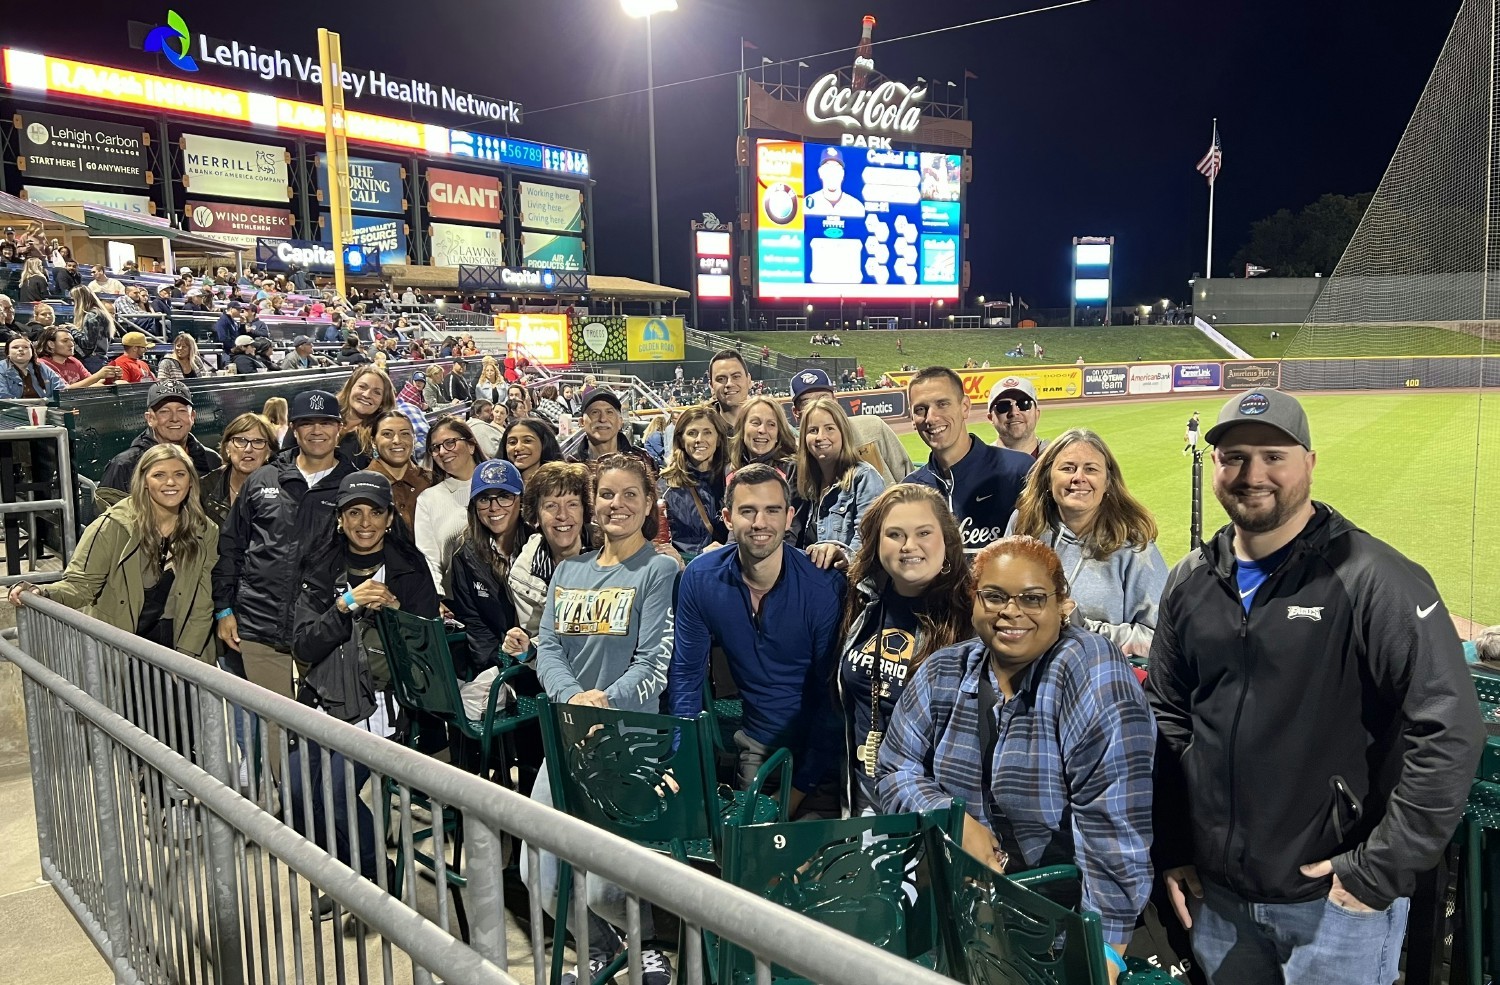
x,y
1075,500
605,640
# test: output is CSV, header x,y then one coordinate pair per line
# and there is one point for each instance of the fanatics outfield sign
x,y
65,148
234,169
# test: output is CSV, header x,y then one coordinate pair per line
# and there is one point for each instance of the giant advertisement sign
x,y
1248,376
374,186
1192,377
1151,378
66,148
455,245
543,337
241,225
550,207
550,251
856,222
234,169
654,339
1061,383
381,235
462,196
139,204
1106,381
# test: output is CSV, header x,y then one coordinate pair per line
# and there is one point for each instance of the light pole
x,y
647,8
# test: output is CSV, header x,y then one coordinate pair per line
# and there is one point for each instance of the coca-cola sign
x,y
890,106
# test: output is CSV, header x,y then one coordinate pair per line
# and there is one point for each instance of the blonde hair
x,y
740,454
489,370
32,268
190,538
809,472
1121,519
275,411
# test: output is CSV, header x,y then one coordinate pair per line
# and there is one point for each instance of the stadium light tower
x,y
648,9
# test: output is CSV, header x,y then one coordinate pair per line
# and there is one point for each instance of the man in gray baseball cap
x,y
1315,673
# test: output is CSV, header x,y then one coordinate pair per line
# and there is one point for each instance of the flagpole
x,y
1208,264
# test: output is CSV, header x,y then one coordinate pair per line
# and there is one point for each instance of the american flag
x,y
1213,160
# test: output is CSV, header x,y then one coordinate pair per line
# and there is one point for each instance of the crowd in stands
x,y
964,628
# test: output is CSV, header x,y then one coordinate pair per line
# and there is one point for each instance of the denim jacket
x,y
43,378
835,518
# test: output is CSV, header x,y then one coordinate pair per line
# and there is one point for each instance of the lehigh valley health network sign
x,y
188,53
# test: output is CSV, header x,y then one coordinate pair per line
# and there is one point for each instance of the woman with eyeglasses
x,y
909,597
611,656
247,444
1075,499
1043,730
443,510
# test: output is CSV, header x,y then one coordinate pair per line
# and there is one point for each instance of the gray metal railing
x,y
183,861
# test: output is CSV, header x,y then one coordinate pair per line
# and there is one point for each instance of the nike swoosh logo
x,y
1424,613
980,499
1248,592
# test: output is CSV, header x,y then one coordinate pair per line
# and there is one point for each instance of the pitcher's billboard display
x,y
856,222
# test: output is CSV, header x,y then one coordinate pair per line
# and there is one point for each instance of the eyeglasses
x,y
450,445
996,601
1022,404
491,500
257,444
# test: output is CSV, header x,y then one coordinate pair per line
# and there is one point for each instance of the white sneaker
x,y
596,966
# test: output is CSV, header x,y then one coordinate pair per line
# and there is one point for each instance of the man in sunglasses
x,y
1014,411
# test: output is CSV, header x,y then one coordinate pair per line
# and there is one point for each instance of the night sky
x,y
1088,120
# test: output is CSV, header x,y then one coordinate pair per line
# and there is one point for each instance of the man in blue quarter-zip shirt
x,y
776,615
980,482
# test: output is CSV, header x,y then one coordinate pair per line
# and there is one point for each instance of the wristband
x,y
223,612
1114,958
349,602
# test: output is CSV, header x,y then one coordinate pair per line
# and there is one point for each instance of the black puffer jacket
x,y
273,522
320,628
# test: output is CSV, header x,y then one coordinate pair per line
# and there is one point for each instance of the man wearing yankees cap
x,y
1319,730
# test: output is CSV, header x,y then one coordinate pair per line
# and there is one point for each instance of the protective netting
x,y
1419,287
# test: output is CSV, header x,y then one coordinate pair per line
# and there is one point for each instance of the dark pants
x,y
304,814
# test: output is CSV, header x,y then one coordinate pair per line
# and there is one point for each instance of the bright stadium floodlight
x,y
647,8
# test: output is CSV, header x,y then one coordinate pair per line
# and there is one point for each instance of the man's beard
x,y
1285,503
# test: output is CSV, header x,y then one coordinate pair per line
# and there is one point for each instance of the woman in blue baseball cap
x,y
481,564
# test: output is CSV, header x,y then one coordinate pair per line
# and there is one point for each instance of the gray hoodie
x,y
1117,595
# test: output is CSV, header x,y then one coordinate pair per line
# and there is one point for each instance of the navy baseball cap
x,y
495,475
831,154
315,405
365,487
809,380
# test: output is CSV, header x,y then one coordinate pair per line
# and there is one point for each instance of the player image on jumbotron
x,y
832,199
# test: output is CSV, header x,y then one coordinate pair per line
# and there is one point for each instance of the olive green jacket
x,y
103,580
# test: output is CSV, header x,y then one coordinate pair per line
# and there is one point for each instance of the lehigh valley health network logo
x,y
172,40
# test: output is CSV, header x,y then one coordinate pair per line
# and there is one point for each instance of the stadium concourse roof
x,y
18,210
604,288
107,223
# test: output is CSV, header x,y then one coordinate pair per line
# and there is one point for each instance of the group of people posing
x,y
1299,750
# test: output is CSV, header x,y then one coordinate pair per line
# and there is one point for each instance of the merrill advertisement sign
x,y
69,149
600,338
653,339
1106,381
1050,384
386,236
138,204
240,225
374,186
551,207
1248,376
456,245
543,337
234,169
548,252
1192,377
462,196
1150,379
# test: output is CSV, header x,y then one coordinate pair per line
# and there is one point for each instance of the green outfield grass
x,y
1324,340
1400,466
951,347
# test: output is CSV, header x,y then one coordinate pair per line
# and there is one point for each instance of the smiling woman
x,y
693,482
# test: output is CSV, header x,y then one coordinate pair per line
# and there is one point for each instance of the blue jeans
x,y
302,816
1238,942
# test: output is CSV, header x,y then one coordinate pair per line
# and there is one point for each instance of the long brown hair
x,y
809,472
364,430
191,536
739,452
1121,519
947,619
678,473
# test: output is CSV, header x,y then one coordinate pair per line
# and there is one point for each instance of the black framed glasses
x,y
491,500
450,445
1023,404
244,444
994,600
